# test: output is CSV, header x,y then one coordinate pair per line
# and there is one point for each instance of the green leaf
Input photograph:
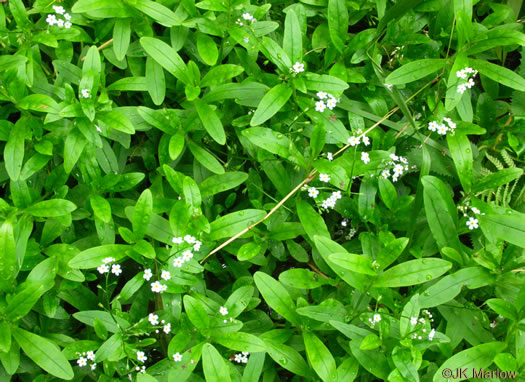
x,y
190,359
220,74
121,37
441,212
5,337
354,263
210,121
500,74
271,103
293,37
205,158
410,310
207,49
387,192
142,214
503,308
102,8
117,121
92,257
238,300
276,296
240,341
320,357
496,38
412,272
132,286
474,358
219,183
192,194
324,82
367,202
370,342
510,228
7,253
415,70
22,303
373,361
233,223
89,317
108,348
166,56
273,51
253,369
14,151
302,279
158,12
196,312
51,208
73,148
101,207
338,23
312,222
460,150
497,179
44,353
39,102
155,81
8,62
274,142
287,357
213,365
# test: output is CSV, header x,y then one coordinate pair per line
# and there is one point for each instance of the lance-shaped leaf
x,y
415,70
270,104
412,272
210,121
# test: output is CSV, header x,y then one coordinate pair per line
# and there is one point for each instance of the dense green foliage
x,y
282,191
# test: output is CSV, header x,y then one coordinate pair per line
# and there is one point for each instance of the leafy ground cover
x,y
280,191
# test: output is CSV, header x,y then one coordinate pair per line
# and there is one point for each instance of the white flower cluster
x,y
330,103
297,68
376,318
441,128
141,369
241,357
61,23
414,321
84,357
330,202
104,268
472,222
356,140
246,17
187,255
397,169
154,320
464,74
84,93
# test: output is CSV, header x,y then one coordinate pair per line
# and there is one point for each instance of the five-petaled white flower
x,y
187,255
108,260
157,287
67,16
475,210
177,240
141,356
147,274
442,129
59,9
336,195
365,157
116,269
167,328
93,366
313,192
472,223
413,321
82,362
51,19
377,317
324,177
433,125
197,246
223,310
237,358
366,140
84,93
462,88
153,319
321,95
103,269
298,67
331,103
165,275
177,263
320,106
90,355
353,141
177,357
330,156
189,239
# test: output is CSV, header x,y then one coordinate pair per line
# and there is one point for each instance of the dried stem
x,y
100,47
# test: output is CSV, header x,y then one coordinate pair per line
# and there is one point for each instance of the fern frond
x,y
521,196
495,161
507,159
485,171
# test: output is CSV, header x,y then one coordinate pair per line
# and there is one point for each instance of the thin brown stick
x,y
308,179
100,47
316,270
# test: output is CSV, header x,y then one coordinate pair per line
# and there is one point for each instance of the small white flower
x,y
324,177
93,366
84,93
238,358
82,362
313,192
60,23
421,320
197,246
245,353
246,40
432,126
431,334
244,359
187,255
469,70
177,357
116,269
472,223
385,173
475,210
366,140
462,88
298,67
189,239
163,288
353,141
67,16
419,338
398,169
403,160
223,310
90,355
329,203
394,157
470,83
108,260
177,263
156,287
103,269
336,195
59,9
147,274
413,321
395,177
365,157
331,103
141,357
177,240
493,324
247,16
377,317
167,328
153,319
321,95
330,156
51,19
461,74
165,275
442,129
320,106
344,223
